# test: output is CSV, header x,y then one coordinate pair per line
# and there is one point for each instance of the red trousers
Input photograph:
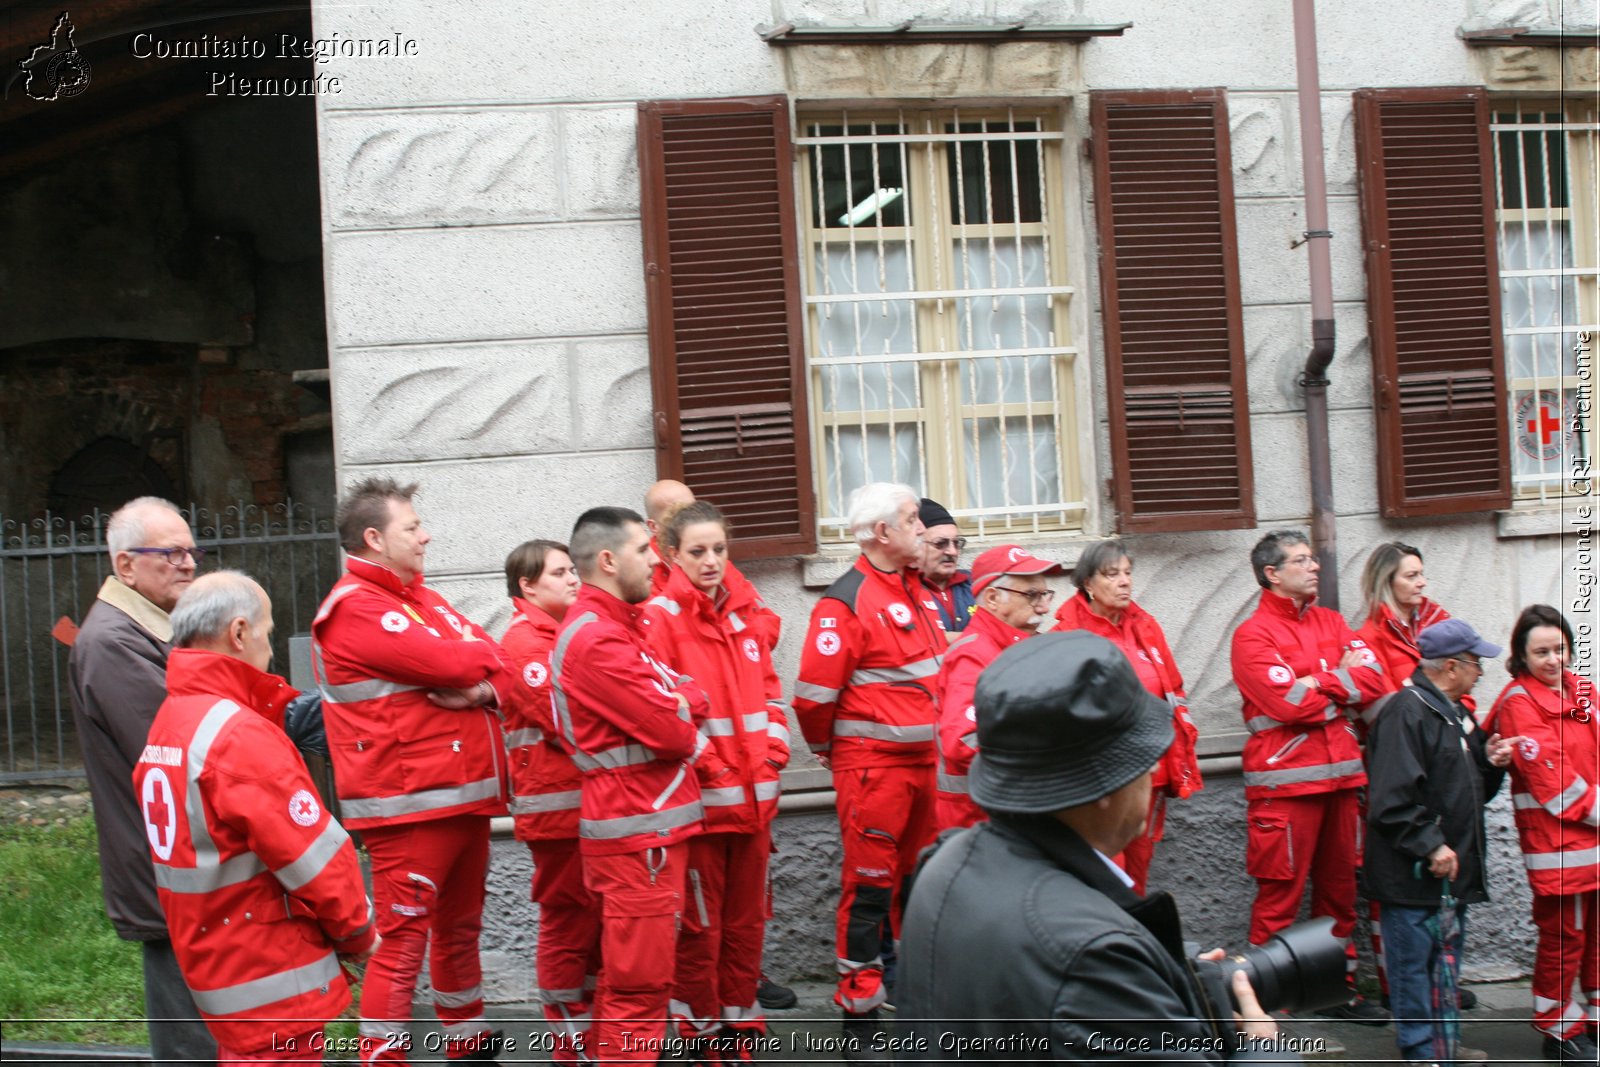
x,y
1141,850
568,956
724,925
886,817
427,890
641,896
1568,952
1291,838
304,1047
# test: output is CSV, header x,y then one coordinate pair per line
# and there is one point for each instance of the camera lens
x,y
1300,969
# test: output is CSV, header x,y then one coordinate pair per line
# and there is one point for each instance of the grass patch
x,y
64,973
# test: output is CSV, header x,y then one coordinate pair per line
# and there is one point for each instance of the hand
x,y
358,958
1501,749
459,699
1443,863
1252,1021
1353,657
823,761
1309,681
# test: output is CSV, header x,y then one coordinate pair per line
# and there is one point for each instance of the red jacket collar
x,y
541,620
900,581
1575,691
990,625
197,672
379,575
1075,614
1283,606
1428,613
593,598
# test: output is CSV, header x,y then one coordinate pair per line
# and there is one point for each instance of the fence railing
x,y
52,566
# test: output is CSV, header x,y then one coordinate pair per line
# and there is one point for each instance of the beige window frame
x,y
939,345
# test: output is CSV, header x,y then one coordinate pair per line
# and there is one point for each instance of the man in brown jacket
x,y
118,673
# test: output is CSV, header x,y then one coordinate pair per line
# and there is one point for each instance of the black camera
x,y
1301,969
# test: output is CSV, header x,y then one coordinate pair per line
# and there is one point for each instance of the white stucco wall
x,y
487,318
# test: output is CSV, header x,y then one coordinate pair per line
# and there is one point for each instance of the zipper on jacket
x,y
1294,743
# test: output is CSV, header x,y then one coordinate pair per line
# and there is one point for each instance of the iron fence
x,y
52,566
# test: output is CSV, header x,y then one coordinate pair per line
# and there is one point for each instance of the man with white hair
x,y
261,887
117,678
865,701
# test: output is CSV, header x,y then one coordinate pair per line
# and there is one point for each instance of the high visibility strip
x,y
370,689
1297,692
1296,775
815,693
1369,714
672,787
970,740
910,672
723,796
701,743
558,697
338,594
211,877
736,622
269,989
1258,723
1544,1004
768,790
750,1013
565,800
1571,1015
464,999
777,731
1569,796
1592,816
718,727
623,756
952,783
559,996
1352,694
903,734
208,867
528,735
699,900
314,859
754,722
1576,859
426,800
667,604
1175,699
651,822
850,966
1515,691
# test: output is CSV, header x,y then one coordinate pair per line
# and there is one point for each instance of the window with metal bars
x,y
1547,163
936,298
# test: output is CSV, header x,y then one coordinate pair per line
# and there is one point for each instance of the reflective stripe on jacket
x,y
1178,773
261,887
378,647
746,721
1302,739
545,783
629,720
1555,780
868,671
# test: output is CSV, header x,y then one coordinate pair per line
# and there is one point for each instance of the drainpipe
x,y
1324,536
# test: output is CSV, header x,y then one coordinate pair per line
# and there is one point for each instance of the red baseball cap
x,y
1008,559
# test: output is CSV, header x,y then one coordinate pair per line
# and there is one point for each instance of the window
x,y
1545,159
936,299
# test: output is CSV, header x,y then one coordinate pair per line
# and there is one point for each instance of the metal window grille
x,y
1547,163
51,568
936,314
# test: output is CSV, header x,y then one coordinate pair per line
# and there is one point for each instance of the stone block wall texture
x,y
487,322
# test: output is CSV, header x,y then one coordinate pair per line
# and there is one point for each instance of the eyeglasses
x,y
1476,662
175,556
946,543
1035,597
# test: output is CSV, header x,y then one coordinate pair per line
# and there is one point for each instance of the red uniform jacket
x,y
762,620
717,646
865,696
1179,770
984,638
1395,645
378,647
629,720
1554,777
1301,738
545,783
261,887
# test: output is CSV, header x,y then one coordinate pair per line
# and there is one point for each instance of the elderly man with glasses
x,y
947,588
1013,599
118,679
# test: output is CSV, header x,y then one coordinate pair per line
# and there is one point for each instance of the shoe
x,y
1359,1010
1578,1048
485,1047
1466,998
865,1039
1471,1055
775,997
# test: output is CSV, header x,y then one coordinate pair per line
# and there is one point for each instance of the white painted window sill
x,y
1548,520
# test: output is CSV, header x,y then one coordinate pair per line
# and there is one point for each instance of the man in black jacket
x,y
1429,774
1022,940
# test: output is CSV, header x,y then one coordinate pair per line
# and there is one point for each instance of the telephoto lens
x,y
1300,969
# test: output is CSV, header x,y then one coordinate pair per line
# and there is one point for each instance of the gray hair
x,y
1272,550
1096,558
873,503
208,607
1434,664
125,529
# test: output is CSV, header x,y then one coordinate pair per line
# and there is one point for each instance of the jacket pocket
x,y
1269,851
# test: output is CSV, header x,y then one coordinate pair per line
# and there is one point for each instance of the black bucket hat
x,y
1062,721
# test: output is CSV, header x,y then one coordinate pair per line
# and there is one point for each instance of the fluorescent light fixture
x,y
870,207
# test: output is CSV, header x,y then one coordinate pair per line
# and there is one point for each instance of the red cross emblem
x,y
160,812
1545,425
1541,424
156,812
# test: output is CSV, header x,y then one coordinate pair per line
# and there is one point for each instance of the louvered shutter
x,y
1433,300
721,279
1169,274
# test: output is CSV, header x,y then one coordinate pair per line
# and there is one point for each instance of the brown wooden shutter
x,y
1169,278
721,275
1433,300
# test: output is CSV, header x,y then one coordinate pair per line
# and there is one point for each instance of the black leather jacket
x,y
1428,778
1021,942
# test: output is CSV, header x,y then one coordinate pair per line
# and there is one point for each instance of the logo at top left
x,y
56,70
